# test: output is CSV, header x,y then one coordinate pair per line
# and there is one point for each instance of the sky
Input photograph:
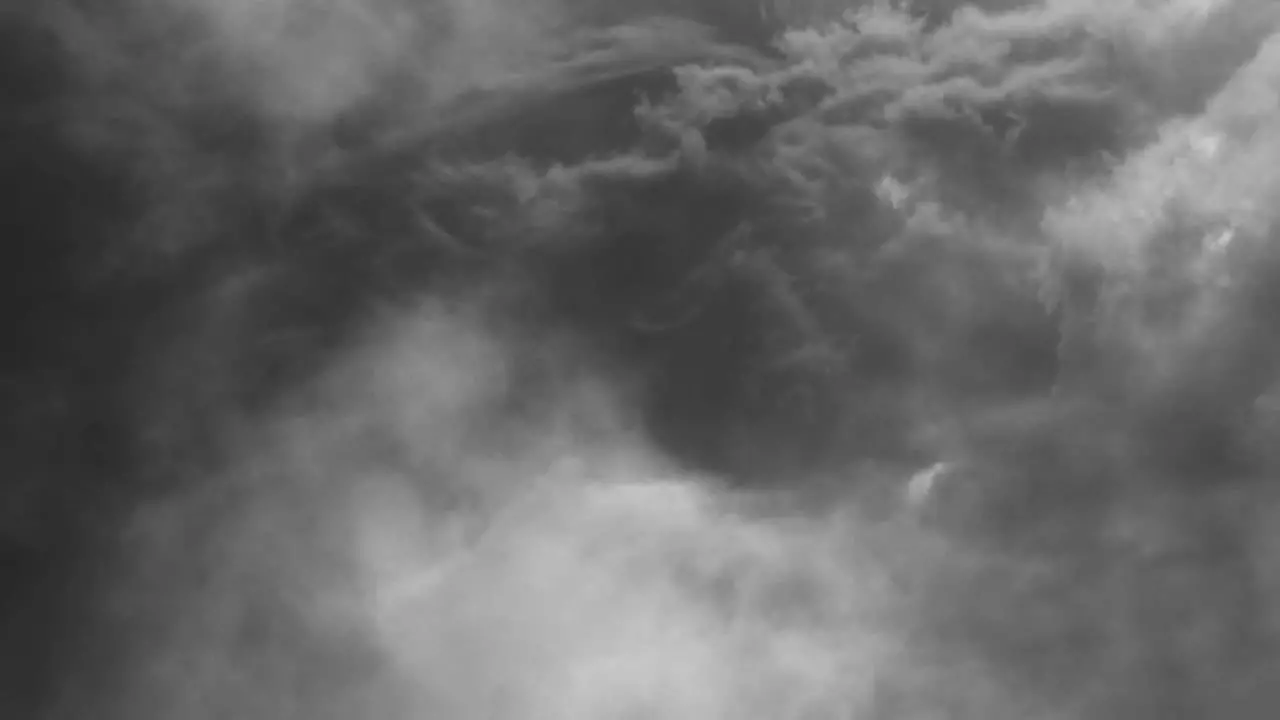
x,y
621,359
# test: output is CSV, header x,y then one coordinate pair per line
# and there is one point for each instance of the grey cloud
x,y
820,265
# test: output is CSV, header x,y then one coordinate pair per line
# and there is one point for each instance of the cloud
x,y
1173,213
735,394
476,566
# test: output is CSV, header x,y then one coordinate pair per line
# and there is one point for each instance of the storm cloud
x,y
584,359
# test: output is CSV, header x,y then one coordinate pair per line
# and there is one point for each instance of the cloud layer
x,y
569,359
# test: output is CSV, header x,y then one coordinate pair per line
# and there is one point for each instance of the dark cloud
x,y
577,359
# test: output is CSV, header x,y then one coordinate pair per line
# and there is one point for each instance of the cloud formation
x,y
604,360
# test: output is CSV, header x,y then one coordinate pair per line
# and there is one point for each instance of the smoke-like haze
x,y
622,359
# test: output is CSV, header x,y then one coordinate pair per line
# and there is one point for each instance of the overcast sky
x,y
583,359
